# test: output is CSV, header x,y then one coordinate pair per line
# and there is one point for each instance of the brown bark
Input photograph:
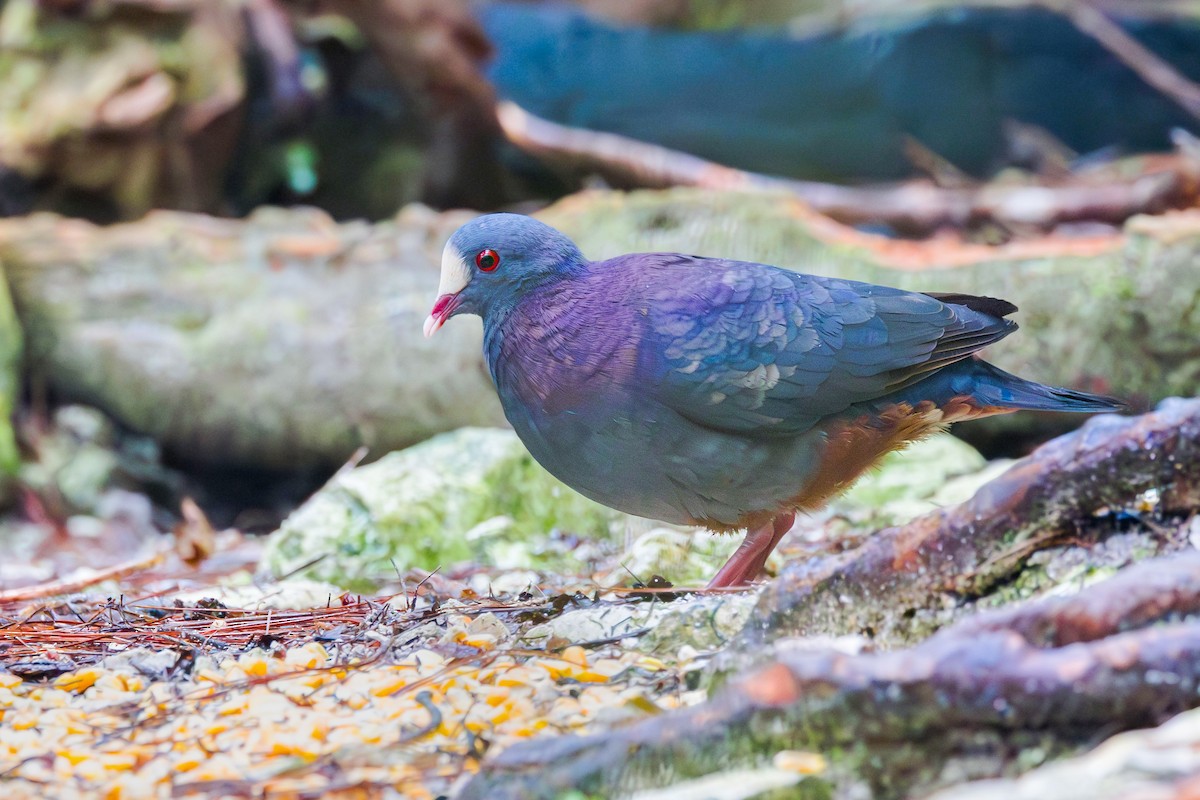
x,y
1162,588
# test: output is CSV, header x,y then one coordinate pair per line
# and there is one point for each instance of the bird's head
x,y
492,260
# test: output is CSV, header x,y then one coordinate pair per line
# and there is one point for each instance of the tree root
x,y
937,560
982,676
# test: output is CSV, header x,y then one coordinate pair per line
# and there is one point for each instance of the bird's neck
x,y
498,306
556,341
533,324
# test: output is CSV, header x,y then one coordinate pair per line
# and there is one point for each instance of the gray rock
x,y
699,622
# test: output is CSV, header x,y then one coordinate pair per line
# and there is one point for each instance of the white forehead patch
x,y
455,274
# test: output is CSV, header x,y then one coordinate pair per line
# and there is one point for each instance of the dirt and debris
x,y
149,696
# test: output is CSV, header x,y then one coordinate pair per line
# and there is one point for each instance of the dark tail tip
x,y
992,306
1072,400
994,386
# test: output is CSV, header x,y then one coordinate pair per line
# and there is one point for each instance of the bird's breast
x,y
576,395
554,359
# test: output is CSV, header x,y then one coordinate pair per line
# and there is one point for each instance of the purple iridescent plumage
x,y
716,392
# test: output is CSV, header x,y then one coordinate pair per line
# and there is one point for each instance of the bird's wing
x,y
752,349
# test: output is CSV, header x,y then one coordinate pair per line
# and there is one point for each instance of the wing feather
x,y
760,350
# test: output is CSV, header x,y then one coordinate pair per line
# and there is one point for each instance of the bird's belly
x,y
611,461
656,464
664,467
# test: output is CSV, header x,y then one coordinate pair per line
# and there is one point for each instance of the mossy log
x,y
1112,313
284,341
287,341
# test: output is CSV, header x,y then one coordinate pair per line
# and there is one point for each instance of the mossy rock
x,y
475,493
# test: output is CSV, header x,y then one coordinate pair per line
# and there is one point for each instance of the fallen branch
x,y
1153,70
916,207
964,550
60,587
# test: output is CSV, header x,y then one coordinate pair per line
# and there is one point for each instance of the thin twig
x,y
58,587
1133,54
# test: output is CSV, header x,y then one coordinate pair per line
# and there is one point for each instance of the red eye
x,y
487,260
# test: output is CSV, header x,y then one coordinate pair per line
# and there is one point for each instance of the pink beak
x,y
443,309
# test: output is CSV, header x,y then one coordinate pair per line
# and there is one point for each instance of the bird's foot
x,y
748,560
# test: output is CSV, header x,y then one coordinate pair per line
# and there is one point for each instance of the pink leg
x,y
748,560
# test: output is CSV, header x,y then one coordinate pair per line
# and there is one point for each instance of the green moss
x,y
762,227
475,493
1070,567
11,344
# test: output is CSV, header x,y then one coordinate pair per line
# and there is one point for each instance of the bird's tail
x,y
990,386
